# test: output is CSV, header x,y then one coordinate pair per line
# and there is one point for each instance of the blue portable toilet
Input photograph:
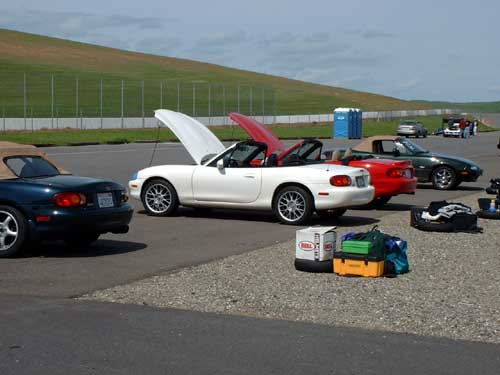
x,y
348,123
358,133
341,117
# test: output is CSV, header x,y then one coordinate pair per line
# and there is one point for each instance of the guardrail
x,y
34,124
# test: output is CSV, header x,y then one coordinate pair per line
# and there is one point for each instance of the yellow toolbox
x,y
357,264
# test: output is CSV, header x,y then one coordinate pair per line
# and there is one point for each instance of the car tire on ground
x,y
444,178
82,240
331,214
13,231
380,201
483,214
159,198
293,205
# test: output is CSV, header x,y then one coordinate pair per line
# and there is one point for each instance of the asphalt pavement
x,y
60,335
51,337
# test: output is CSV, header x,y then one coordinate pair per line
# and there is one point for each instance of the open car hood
x,y
198,140
258,132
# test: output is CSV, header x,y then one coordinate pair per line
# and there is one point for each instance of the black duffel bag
x,y
460,222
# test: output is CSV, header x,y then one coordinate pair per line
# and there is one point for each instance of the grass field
x,y
66,137
42,57
481,107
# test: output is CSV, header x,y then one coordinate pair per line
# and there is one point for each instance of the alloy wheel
x,y
9,230
292,206
158,198
443,178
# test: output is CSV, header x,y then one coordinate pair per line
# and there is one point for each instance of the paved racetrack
x,y
41,332
159,244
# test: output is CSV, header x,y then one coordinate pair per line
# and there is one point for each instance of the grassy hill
x,y
482,107
41,57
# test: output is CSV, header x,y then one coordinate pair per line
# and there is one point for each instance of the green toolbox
x,y
357,247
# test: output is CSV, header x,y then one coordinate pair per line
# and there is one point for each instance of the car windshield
x,y
308,151
31,167
412,147
408,123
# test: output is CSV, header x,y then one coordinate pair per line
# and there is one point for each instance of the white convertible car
x,y
242,177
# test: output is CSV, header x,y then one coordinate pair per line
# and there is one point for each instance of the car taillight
x,y
340,180
70,199
395,172
124,197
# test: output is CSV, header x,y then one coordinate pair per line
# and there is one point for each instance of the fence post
x,y
263,104
121,110
32,128
52,101
238,95
161,94
178,97
224,104
274,106
76,101
194,99
251,100
3,116
24,100
209,104
100,104
142,105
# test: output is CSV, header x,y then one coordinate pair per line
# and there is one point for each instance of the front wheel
x,y
159,198
293,205
444,178
13,231
331,214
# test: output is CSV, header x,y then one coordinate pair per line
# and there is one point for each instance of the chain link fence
x,y
55,97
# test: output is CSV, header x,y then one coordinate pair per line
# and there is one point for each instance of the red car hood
x,y
258,132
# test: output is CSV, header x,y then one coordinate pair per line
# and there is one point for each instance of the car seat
x,y
336,155
272,161
348,153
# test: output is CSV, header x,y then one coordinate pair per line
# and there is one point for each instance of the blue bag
x,y
396,259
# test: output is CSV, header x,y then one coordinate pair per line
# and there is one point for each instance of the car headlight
x,y
474,168
134,176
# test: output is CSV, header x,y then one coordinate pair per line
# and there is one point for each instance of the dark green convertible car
x,y
445,172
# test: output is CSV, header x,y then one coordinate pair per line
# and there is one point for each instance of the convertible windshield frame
x,y
412,147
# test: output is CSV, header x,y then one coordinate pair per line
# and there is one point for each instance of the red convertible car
x,y
388,177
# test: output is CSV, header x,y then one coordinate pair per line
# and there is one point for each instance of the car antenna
x,y
156,145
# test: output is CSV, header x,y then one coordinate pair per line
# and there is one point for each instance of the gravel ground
x,y
453,289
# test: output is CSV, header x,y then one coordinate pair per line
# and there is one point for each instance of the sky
x,y
432,50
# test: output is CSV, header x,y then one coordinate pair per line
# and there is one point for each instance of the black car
x,y
40,201
445,172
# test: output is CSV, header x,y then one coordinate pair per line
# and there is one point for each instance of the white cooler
x,y
314,247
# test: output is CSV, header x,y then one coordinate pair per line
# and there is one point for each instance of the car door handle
x,y
249,176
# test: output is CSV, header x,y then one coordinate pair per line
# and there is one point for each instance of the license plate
x,y
360,181
105,200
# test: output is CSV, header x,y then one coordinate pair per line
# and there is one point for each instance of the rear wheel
x,y
293,205
444,178
331,214
381,201
13,231
82,239
159,198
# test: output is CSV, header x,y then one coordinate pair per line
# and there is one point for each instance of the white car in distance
x,y
241,177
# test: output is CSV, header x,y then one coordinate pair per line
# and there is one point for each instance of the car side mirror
x,y
220,164
396,152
